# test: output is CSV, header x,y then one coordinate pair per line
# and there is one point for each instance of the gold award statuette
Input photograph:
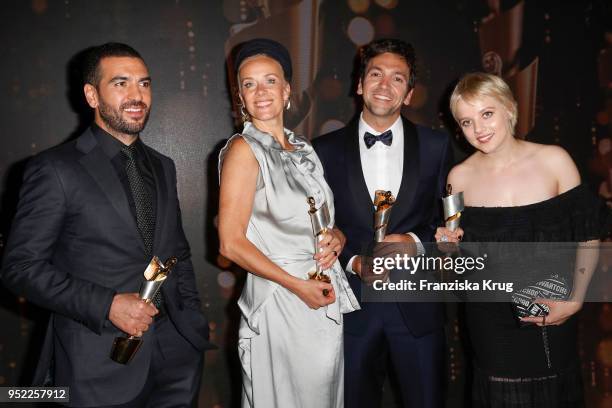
x,y
125,348
453,206
320,219
383,201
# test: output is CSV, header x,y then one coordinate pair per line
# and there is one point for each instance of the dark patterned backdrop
x,y
556,55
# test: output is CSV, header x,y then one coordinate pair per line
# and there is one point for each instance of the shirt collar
x,y
397,128
110,145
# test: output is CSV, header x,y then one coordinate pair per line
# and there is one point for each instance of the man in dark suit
x,y
381,150
91,214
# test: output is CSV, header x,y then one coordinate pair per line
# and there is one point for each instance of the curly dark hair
x,y
394,46
91,71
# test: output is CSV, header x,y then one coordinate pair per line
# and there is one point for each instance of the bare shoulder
x,y
237,162
238,149
460,175
238,144
546,153
550,155
559,163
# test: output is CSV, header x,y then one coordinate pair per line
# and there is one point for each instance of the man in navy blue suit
x,y
381,150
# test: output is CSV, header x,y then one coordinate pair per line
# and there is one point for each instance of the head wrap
x,y
267,47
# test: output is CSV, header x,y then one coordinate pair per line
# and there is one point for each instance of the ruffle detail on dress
x,y
346,301
574,216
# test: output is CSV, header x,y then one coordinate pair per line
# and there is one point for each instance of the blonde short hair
x,y
479,84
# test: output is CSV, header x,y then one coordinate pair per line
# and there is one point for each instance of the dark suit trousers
x,y
174,374
417,361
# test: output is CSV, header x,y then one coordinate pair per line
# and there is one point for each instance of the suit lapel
x,y
162,197
363,205
100,168
410,175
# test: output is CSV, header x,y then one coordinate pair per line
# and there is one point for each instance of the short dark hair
x,y
91,71
394,46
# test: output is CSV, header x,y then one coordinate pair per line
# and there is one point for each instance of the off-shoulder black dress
x,y
511,366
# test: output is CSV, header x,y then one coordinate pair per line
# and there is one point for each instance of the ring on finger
x,y
444,238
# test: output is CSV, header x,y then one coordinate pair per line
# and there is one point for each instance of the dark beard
x,y
114,121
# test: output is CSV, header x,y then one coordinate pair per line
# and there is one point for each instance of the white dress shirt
x,y
382,166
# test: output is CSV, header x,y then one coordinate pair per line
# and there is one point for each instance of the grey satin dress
x,y
291,355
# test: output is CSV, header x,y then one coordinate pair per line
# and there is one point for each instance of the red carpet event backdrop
x,y
556,56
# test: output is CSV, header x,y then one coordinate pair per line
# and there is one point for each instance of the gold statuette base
x,y
320,276
125,348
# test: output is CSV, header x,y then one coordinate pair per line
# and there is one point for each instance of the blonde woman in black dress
x,y
518,191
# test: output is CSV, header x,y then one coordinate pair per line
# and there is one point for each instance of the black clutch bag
x,y
554,288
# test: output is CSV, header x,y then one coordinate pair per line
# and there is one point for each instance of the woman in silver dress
x,y
290,338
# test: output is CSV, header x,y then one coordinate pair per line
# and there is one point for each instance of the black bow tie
x,y
385,138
